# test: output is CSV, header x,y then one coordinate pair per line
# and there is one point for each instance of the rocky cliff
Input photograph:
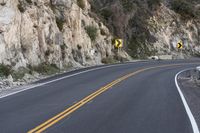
x,y
153,27
45,35
60,32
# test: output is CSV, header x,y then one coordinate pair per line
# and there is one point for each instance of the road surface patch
x,y
42,127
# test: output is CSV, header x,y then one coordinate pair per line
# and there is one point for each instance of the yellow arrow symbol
x,y
180,45
118,43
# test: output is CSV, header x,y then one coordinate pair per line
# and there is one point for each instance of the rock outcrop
x,y
43,36
153,27
53,31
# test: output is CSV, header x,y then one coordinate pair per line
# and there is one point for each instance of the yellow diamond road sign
x,y
118,43
180,45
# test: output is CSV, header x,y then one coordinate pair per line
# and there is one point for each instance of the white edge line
x,y
58,79
189,113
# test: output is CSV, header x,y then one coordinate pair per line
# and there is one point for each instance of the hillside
x,y
153,27
46,36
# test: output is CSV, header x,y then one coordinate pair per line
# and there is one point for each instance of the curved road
x,y
138,97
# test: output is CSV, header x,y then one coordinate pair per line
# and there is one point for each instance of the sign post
x,y
180,47
118,45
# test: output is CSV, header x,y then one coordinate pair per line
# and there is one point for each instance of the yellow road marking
x,y
79,104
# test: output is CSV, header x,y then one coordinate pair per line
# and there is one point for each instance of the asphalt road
x,y
145,102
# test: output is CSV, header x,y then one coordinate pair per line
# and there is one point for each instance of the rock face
x,y
169,28
153,27
73,32
53,31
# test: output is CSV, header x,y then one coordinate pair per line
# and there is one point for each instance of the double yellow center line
x,y
79,104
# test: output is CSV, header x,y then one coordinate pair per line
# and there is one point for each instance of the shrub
x,y
52,6
197,13
19,74
5,70
137,47
23,48
103,32
184,8
21,7
3,3
108,60
63,47
92,32
29,1
81,4
45,68
79,47
82,23
60,23
63,54
154,3
47,53
128,5
106,14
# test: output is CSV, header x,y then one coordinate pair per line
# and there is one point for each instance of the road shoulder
x,y
191,92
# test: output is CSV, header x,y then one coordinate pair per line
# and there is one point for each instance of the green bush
x,y
137,47
103,32
197,13
81,4
21,7
128,5
19,74
52,6
108,60
184,8
3,3
79,47
92,32
45,68
5,70
60,23
29,1
47,53
106,14
154,3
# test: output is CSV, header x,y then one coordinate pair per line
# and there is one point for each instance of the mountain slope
x,y
153,27
48,35
56,32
